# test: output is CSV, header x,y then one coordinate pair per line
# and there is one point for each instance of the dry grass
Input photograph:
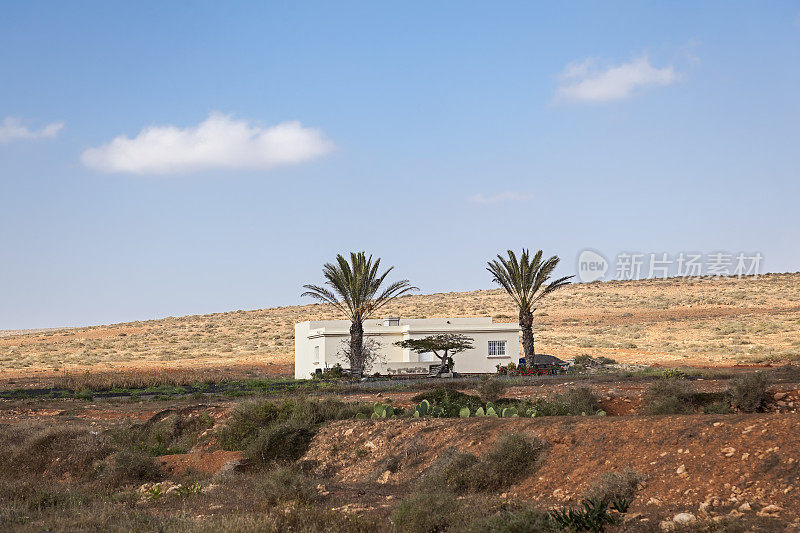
x,y
707,321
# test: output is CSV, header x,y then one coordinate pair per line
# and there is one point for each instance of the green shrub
x,y
575,401
244,423
248,419
673,373
451,401
284,441
429,512
491,389
721,407
616,485
128,466
669,397
511,458
606,360
748,392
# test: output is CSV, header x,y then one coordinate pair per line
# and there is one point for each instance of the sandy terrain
x,y
700,322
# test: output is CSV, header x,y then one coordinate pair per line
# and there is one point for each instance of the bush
x,y
669,397
718,408
126,467
616,485
165,433
575,401
284,441
491,389
287,483
248,419
748,392
673,373
428,512
511,458
456,472
55,451
243,425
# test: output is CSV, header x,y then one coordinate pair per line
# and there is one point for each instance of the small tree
x,y
444,346
370,354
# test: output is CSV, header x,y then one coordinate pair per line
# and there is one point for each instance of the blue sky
x,y
171,158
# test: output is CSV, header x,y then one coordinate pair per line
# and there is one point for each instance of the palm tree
x,y
526,282
353,289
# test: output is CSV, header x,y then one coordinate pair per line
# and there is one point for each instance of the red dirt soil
x,y
209,463
707,465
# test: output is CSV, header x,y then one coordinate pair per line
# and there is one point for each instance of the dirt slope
x,y
701,322
709,465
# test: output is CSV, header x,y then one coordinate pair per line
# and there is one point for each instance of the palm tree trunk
x,y
526,324
357,349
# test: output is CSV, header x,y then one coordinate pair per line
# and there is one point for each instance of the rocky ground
x,y
709,321
696,468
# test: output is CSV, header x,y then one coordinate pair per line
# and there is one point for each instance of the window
x,y
497,348
316,354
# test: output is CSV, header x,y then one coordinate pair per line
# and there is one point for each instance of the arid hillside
x,y
694,322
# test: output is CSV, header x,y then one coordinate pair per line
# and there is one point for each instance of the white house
x,y
318,344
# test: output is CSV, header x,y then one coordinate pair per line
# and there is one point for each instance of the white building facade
x,y
319,344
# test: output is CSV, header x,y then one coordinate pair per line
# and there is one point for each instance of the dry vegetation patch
x,y
703,321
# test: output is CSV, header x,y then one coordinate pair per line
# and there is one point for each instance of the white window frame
x,y
316,355
497,349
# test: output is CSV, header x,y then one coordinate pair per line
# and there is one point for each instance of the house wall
x,y
331,334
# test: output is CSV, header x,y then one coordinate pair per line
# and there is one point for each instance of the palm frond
x,y
354,286
526,278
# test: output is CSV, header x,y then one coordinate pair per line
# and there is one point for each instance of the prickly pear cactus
x,y
480,412
425,407
491,412
509,412
464,412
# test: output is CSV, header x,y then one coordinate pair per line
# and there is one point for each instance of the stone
x,y
729,451
779,396
667,525
681,470
770,509
684,518
744,507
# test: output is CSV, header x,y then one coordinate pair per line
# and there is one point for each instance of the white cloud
x,y
11,129
584,82
219,142
508,196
